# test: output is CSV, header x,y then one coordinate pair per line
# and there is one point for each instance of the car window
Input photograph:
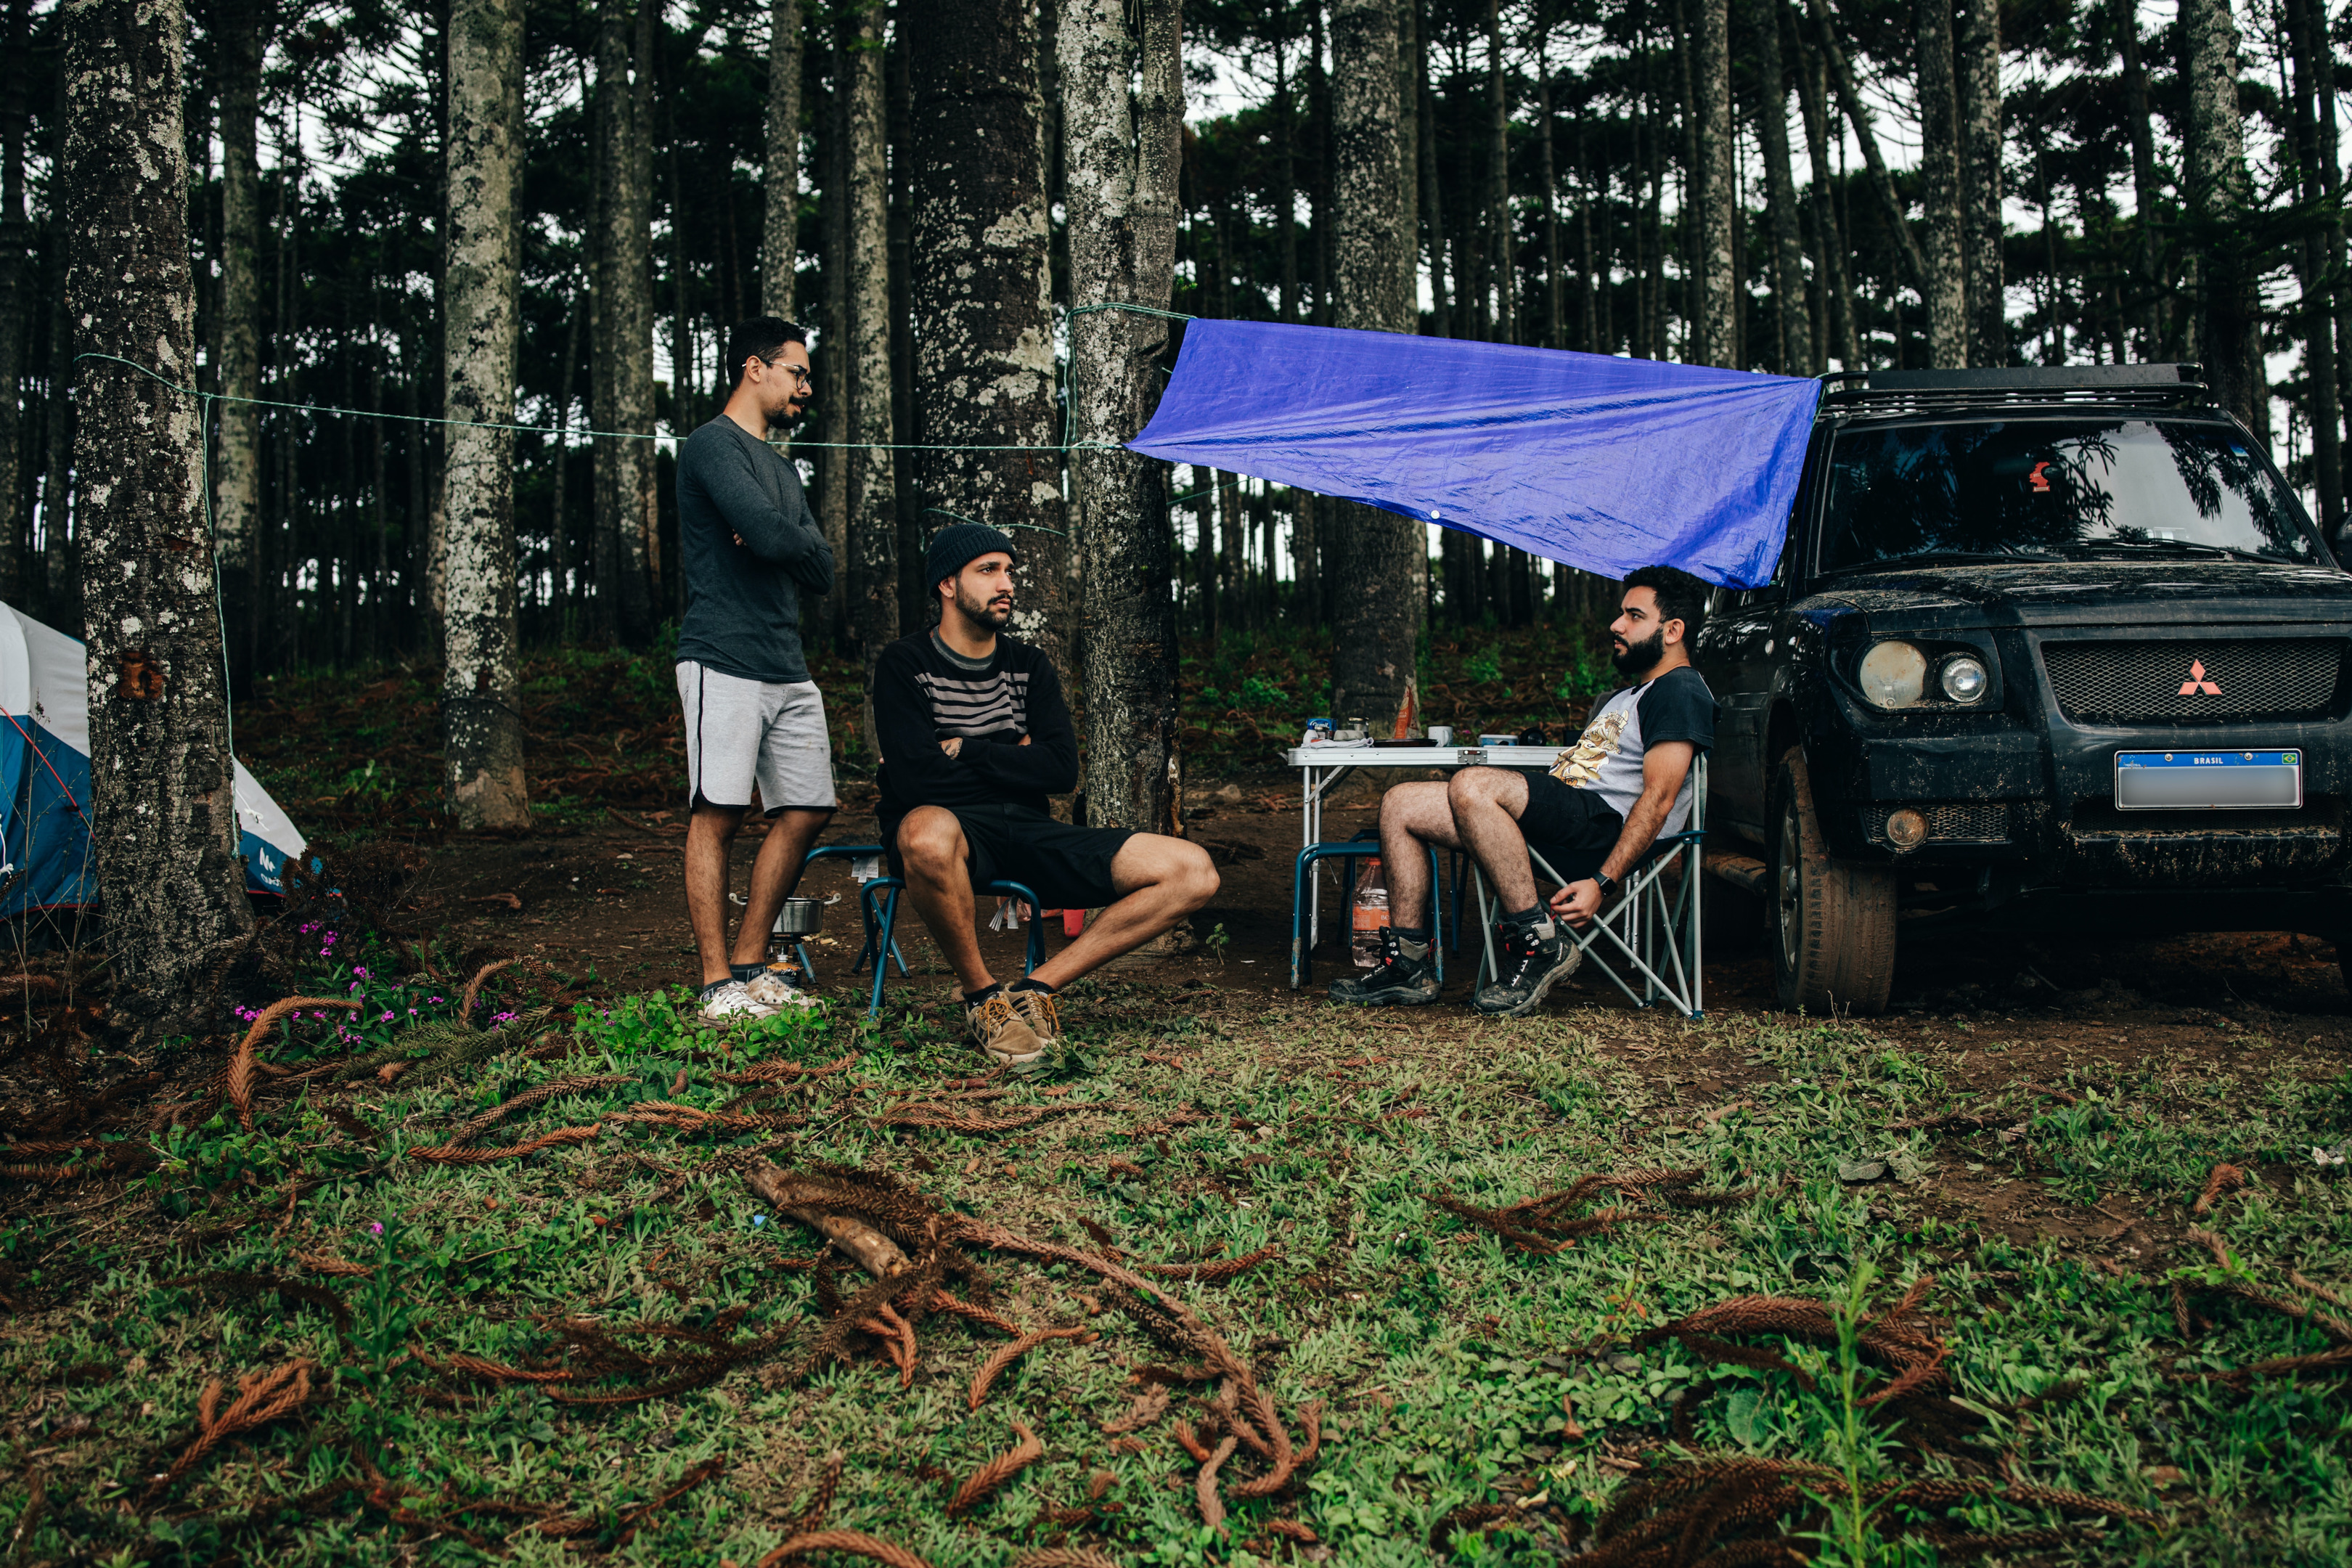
x,y
2077,488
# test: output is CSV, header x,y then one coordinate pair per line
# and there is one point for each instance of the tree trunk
x,y
480,686
1501,261
1318,107
986,374
559,510
1380,561
625,501
1555,325
2139,122
1781,195
1719,305
899,110
2217,201
163,829
1980,184
780,231
15,302
1409,25
834,351
1845,336
1940,180
873,480
236,492
1286,184
1121,157
1433,214
2310,60
1914,265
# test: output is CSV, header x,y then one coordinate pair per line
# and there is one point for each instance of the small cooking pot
x,y
799,917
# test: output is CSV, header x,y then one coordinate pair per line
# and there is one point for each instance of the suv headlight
x,y
1894,675
1964,678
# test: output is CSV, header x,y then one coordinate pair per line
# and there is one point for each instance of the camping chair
x,y
882,923
1651,928
852,853
1303,886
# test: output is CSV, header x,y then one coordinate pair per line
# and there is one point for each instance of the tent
x,y
45,778
1606,464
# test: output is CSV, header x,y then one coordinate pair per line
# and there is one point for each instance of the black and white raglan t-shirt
x,y
1607,759
925,693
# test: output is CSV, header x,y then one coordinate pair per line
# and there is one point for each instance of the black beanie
x,y
957,546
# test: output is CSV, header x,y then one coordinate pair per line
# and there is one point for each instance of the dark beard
x,y
1640,658
980,617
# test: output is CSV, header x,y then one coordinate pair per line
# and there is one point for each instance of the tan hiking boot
x,y
1039,1010
997,1026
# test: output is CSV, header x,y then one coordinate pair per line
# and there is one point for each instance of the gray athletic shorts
x,y
739,733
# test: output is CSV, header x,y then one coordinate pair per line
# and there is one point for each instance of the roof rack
x,y
1881,394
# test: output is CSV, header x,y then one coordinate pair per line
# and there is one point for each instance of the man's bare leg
x,y
710,839
1487,804
774,874
1413,817
939,884
1159,881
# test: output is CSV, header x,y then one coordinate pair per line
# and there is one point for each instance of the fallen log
x,y
797,1198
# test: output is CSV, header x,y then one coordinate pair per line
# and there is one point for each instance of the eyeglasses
x,y
798,373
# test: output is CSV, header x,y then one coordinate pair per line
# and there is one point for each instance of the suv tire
x,y
1832,921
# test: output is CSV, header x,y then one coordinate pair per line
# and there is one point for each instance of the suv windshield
x,y
2118,489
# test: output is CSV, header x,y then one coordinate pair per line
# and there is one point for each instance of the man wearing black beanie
x,y
975,736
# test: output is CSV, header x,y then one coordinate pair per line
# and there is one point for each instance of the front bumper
x,y
2030,801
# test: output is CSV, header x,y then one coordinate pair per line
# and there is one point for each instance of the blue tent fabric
x,y
1606,464
45,784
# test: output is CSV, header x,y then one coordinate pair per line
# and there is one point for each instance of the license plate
x,y
2206,780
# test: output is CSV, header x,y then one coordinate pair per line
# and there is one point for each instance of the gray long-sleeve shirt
x,y
743,601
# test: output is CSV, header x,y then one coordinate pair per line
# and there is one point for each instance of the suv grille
x,y
2242,678
1974,823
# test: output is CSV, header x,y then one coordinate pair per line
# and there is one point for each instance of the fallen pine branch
x,y
999,1470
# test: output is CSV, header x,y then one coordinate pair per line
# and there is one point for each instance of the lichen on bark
x,y
482,728
163,829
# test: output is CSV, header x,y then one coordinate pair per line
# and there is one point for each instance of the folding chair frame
x,y
1306,893
1647,915
882,929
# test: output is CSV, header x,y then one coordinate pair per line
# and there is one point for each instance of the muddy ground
x,y
612,896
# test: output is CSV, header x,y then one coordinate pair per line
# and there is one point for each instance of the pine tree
x,y
984,367
482,759
1120,161
1377,560
164,829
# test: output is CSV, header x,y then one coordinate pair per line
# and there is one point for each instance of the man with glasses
x,y
753,715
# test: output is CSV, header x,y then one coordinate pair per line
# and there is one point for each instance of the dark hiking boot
x,y
1531,962
1404,978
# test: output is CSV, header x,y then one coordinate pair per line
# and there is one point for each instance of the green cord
x,y
205,401
1035,527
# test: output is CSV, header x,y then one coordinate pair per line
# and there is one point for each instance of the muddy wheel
x,y
1832,921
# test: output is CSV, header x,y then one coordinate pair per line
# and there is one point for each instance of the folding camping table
x,y
1323,765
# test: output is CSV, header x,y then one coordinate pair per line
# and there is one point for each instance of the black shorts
x,y
1066,866
1572,829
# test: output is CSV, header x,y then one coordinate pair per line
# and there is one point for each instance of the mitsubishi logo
x,y
2197,685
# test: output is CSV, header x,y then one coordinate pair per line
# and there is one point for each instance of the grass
x,y
1454,1369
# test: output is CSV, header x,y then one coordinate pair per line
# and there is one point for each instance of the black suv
x,y
2047,649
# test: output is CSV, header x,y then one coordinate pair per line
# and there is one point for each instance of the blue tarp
x,y
1606,464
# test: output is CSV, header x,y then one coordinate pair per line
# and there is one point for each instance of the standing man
x,y
975,736
1624,782
752,714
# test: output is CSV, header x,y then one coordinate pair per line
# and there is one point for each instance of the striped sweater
x,y
923,695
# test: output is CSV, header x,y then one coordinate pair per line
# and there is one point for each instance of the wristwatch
x,y
1605,880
